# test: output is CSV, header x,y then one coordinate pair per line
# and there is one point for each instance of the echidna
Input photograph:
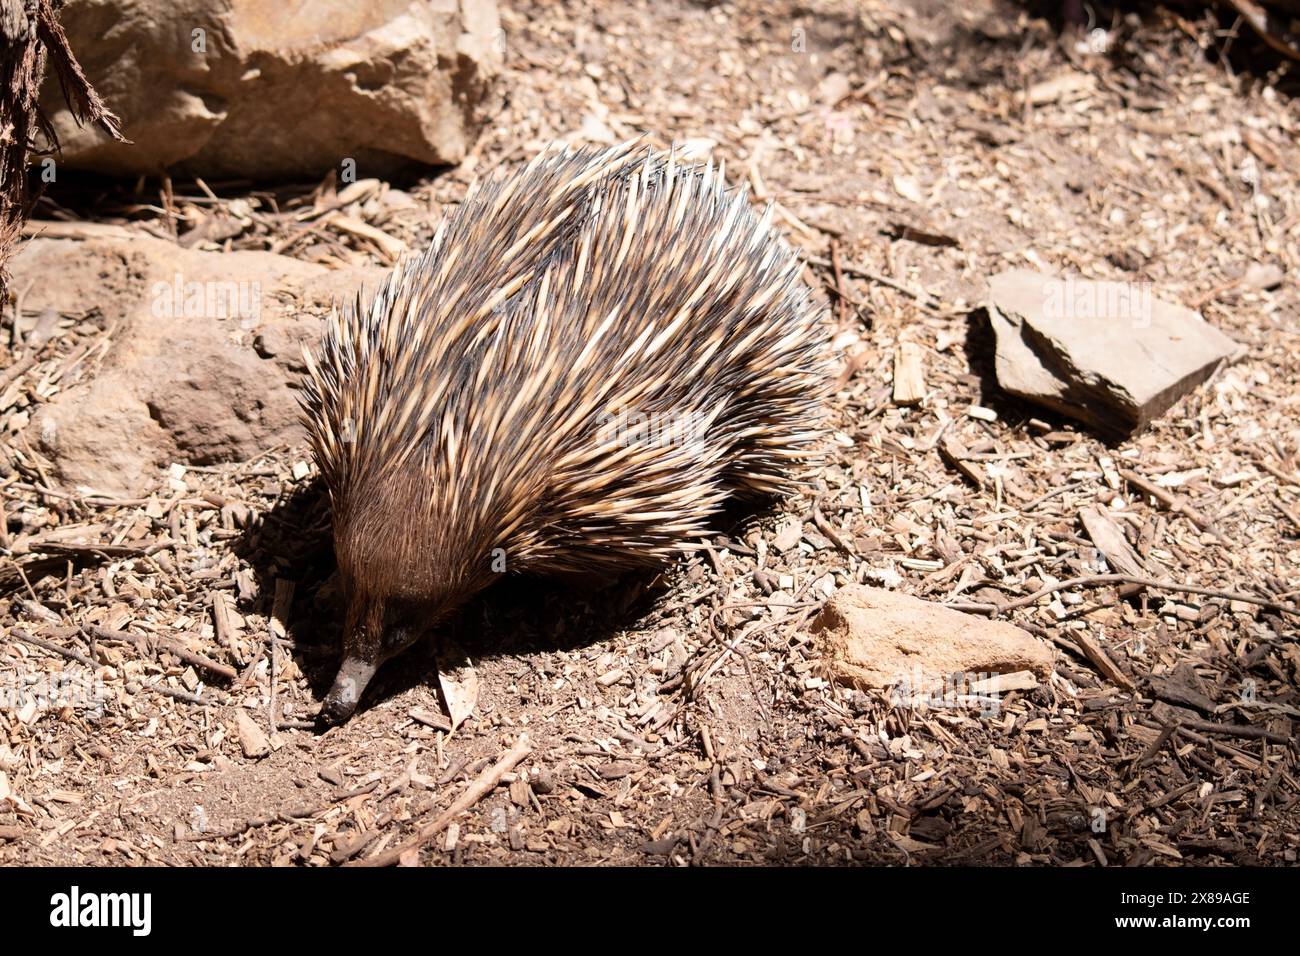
x,y
592,354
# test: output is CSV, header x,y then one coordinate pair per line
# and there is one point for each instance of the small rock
x,y
1106,353
872,638
1262,276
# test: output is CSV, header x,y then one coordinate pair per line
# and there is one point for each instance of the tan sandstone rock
x,y
267,89
1109,354
873,638
205,355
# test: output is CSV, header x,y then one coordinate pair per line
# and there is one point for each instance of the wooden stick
x,y
1094,579
1102,662
167,644
70,654
484,784
1247,731
1175,503
1277,472
862,272
1294,516
15,370
172,692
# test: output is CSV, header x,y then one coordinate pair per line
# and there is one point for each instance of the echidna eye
x,y
402,615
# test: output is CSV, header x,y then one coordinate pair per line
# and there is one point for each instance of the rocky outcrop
x,y
266,89
204,358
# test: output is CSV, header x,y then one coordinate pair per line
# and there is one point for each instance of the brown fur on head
x,y
400,575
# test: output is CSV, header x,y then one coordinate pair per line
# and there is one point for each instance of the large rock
x,y
205,353
1109,354
873,638
268,89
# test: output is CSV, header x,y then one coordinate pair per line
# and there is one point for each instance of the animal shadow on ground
x,y
520,615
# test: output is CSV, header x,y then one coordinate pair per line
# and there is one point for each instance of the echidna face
x,y
376,630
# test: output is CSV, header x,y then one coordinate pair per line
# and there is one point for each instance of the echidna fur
x,y
460,416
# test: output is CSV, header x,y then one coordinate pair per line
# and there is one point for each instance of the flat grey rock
x,y
1109,354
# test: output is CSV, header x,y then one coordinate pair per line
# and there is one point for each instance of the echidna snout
x,y
376,630
349,684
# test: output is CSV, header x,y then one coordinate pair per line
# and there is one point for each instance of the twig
x,y
1094,579
70,654
1276,472
1174,503
1031,505
170,646
181,695
1246,731
484,784
862,272
283,816
16,370
1173,795
1156,746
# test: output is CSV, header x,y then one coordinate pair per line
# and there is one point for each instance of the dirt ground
x,y
686,719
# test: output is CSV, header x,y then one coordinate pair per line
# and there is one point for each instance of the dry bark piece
x,y
459,684
873,638
252,739
909,374
1107,353
1101,660
390,247
1110,541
